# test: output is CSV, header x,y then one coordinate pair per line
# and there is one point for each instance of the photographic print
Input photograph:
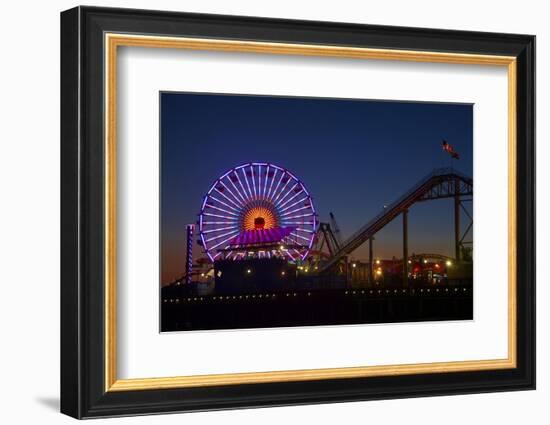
x,y
320,191
290,211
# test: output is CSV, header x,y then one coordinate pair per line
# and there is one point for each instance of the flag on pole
x,y
450,150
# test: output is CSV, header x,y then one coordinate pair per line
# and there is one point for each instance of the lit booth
x,y
256,261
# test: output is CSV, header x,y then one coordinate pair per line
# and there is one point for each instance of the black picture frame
x,y
83,392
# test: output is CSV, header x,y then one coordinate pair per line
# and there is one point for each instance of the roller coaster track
x,y
440,183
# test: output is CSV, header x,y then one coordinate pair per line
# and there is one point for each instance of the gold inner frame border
x,y
111,43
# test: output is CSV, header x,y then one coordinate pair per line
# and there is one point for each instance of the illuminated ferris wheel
x,y
257,209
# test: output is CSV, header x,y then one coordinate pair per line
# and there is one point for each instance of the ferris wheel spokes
x,y
261,197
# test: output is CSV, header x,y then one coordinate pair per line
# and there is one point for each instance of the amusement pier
x,y
269,261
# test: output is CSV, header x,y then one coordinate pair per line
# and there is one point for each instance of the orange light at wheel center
x,y
259,218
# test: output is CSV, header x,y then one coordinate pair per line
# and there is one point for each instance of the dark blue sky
x,y
354,156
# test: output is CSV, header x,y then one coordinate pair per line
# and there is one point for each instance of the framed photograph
x,y
261,212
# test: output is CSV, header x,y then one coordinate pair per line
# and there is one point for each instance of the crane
x,y
335,228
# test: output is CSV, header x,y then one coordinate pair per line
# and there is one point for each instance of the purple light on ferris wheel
x,y
278,183
245,196
294,204
236,201
272,181
253,181
265,180
292,197
247,183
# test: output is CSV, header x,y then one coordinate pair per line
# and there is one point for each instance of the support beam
x,y
405,248
371,259
457,219
189,253
346,269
